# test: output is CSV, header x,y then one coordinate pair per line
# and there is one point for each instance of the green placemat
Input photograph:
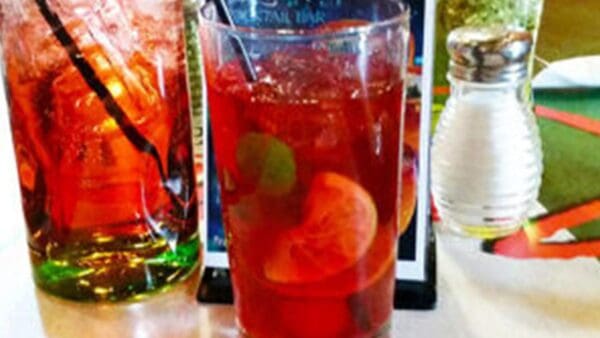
x,y
571,156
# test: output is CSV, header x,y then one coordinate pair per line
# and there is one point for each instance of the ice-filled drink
x,y
308,152
100,118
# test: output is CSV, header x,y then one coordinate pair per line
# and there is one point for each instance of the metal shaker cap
x,y
489,54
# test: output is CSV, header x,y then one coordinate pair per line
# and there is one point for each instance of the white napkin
x,y
576,72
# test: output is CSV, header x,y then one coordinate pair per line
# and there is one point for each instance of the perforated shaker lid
x,y
489,54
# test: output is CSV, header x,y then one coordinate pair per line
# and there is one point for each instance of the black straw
x,y
91,78
238,46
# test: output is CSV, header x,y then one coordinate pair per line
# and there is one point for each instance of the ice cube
x,y
33,48
80,116
161,33
106,23
300,99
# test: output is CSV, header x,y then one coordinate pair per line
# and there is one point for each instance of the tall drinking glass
x,y
100,120
307,127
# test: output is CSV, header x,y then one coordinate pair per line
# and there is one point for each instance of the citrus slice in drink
x,y
409,189
339,226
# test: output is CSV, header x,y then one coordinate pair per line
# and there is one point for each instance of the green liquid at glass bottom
x,y
116,270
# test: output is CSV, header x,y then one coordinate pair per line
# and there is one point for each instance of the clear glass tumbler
x,y
307,128
101,127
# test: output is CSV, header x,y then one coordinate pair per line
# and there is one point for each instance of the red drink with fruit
x,y
308,157
101,128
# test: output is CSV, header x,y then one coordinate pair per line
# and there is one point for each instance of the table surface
x,y
479,295
474,301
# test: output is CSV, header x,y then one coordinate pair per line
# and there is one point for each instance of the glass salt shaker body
x,y
486,153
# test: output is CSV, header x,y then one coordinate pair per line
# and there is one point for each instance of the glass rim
x,y
245,32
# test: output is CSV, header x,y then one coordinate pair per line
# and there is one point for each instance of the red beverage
x,y
308,157
108,219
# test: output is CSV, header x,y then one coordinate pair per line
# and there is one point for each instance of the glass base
x,y
480,231
383,332
103,273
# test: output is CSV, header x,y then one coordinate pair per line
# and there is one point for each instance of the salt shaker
x,y
486,152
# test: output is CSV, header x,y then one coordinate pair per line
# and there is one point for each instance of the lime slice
x,y
340,225
267,162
